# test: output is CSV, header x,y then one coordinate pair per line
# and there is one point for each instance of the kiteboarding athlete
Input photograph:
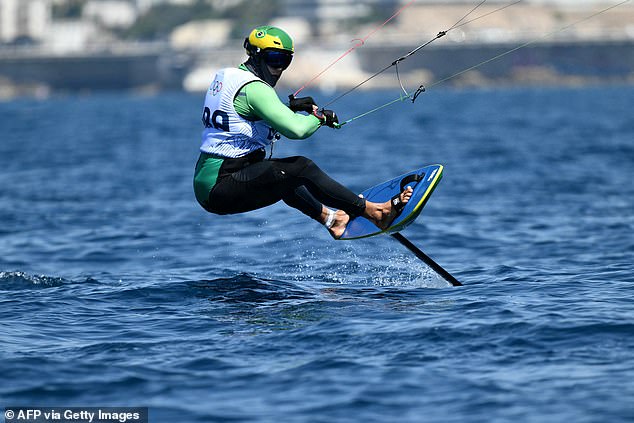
x,y
242,115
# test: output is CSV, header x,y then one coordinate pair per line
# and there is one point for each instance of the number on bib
x,y
211,120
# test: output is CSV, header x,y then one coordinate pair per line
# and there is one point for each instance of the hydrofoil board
x,y
423,181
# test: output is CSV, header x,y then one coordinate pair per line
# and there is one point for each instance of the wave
x,y
15,281
241,287
244,287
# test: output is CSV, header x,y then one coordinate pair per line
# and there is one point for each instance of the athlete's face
x,y
276,61
277,72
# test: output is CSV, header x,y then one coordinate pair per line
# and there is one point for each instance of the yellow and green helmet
x,y
268,47
268,37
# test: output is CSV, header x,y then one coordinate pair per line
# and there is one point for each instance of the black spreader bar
x,y
424,257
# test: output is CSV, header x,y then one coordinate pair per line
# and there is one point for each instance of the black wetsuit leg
x,y
298,181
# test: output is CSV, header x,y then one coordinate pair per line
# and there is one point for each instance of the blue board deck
x,y
360,227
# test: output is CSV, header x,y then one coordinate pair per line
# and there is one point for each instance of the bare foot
x,y
341,220
335,221
383,214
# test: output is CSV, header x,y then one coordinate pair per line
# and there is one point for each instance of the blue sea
x,y
117,289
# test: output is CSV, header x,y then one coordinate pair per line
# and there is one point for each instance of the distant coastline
x,y
156,67
571,42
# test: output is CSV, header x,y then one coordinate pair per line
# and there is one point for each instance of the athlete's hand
x,y
328,117
301,104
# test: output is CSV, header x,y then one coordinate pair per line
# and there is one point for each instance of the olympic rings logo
x,y
216,87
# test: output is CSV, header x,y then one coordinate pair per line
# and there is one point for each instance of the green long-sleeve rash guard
x,y
257,100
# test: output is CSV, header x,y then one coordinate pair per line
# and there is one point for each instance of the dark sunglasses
x,y
277,59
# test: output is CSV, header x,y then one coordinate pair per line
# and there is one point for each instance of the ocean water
x,y
117,289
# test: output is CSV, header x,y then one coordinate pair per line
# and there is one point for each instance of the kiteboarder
x,y
242,115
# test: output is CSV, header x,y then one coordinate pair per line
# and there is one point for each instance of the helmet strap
x,y
251,50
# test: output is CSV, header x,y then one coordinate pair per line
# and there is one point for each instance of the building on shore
x,y
24,20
